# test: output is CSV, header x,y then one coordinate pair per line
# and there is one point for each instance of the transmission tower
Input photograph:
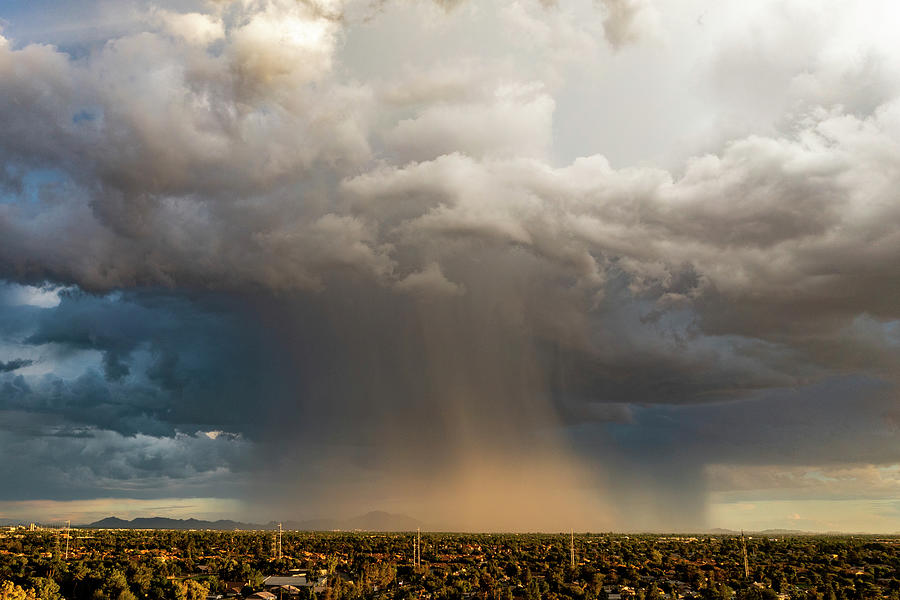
x,y
68,524
279,541
418,547
744,551
572,548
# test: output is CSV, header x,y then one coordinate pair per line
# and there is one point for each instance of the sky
x,y
501,265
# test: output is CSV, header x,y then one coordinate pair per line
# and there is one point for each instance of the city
x,y
195,565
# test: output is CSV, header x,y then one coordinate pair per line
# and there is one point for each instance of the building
x,y
296,581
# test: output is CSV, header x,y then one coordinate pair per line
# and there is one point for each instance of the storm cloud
x,y
14,364
401,283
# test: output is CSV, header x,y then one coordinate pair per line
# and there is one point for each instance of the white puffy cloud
x,y
628,21
516,121
195,28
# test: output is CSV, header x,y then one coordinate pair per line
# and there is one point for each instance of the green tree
x,y
194,590
532,590
45,589
11,591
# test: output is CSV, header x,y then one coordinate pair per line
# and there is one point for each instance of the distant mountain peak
x,y
376,520
167,523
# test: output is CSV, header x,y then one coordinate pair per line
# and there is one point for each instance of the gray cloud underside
x,y
15,364
404,250
56,461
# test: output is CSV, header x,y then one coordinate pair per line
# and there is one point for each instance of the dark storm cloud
x,y
55,461
838,420
176,421
165,364
15,364
380,283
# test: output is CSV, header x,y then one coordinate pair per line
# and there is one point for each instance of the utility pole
x,y
68,525
746,562
279,541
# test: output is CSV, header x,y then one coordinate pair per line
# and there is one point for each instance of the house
x,y
234,588
297,581
275,581
262,596
288,589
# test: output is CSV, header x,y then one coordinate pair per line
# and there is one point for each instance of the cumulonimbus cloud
x,y
417,232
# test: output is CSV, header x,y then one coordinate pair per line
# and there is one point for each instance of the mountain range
x,y
372,521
